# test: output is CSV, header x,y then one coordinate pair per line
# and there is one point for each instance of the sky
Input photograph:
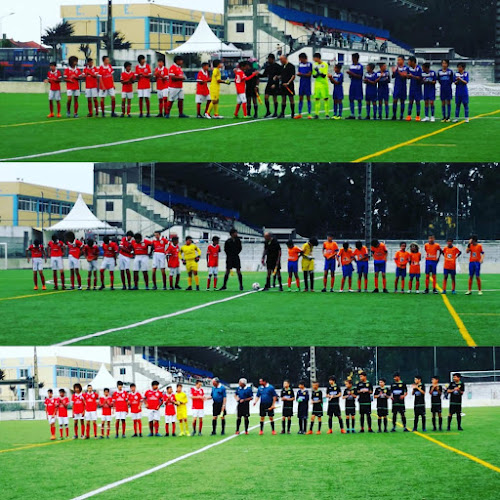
x,y
24,24
73,176
100,354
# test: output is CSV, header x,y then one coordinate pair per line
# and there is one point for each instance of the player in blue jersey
x,y
429,80
337,78
305,90
445,79
383,78
415,77
371,95
355,73
461,92
400,77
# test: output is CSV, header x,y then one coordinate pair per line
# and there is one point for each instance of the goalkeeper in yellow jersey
x,y
308,263
182,402
190,255
321,89
215,90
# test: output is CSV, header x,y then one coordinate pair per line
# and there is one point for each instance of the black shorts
x,y
287,411
233,262
398,409
217,410
455,409
334,411
365,409
271,264
270,90
265,411
285,91
250,93
350,411
382,412
419,410
436,408
317,413
243,410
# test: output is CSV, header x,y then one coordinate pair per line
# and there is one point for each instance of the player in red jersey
x,y
72,77
56,252
54,78
120,402
143,74
125,258
198,408
106,403
78,409
161,77
91,401
450,253
141,260
432,255
36,253
415,258
362,257
62,412
91,252
135,403
158,247
240,80
379,253
213,252
170,410
476,252
174,262
345,259
402,259
107,85
74,250
154,400
90,72
176,79
110,250
50,412
202,90
127,79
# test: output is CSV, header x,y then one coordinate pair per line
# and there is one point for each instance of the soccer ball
x,y
256,286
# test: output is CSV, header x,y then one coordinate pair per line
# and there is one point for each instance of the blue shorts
x,y
338,93
415,275
379,266
305,88
416,95
400,93
450,272
362,267
347,271
371,97
431,267
383,94
293,266
461,99
355,93
446,94
400,272
474,269
430,93
330,265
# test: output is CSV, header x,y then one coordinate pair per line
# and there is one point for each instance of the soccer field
x,y
231,140
344,466
250,318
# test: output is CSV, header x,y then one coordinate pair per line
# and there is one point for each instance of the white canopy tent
x,y
80,218
103,380
205,41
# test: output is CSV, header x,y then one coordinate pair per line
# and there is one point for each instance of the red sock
x,y
384,282
434,281
359,283
62,278
169,107
102,276
83,427
113,106
95,429
166,428
342,284
123,427
76,106
165,102
89,103
52,429
35,278
410,285
453,286
215,281
58,107
173,427
112,278
61,431
208,283
332,281
426,281
76,428
417,285
102,106
96,105
72,277
123,106
135,426
117,426
470,283
171,281
157,426
102,429
207,106
55,277
289,282
245,112
139,424
478,279
51,107
180,103
140,105
324,282
376,281
366,283
88,429
402,284
297,281
148,105
198,108
237,110
200,426
67,431
350,282
444,285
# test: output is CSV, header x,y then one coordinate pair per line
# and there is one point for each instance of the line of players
x,y
99,84
121,403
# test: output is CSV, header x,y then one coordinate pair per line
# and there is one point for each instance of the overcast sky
x,y
100,354
74,176
24,24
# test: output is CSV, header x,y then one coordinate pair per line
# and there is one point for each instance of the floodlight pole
x,y
312,364
110,30
368,204
497,44
35,374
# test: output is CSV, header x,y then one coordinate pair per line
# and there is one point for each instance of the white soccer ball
x,y
256,286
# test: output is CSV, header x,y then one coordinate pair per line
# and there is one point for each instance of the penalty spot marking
x,y
157,468
156,318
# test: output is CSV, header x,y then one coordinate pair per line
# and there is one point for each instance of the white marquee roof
x,y
103,379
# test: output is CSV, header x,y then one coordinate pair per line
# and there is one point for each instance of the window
x,y
123,371
240,27
73,373
23,373
190,29
177,29
103,27
26,204
110,206
65,208
54,208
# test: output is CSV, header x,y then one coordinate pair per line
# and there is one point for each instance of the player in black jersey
x,y
456,390
288,397
317,407
382,395
333,394
436,392
419,402
350,405
399,392
302,406
364,390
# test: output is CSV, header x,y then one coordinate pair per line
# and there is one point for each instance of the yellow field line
x,y
433,145
34,295
480,314
420,138
29,446
460,324
48,120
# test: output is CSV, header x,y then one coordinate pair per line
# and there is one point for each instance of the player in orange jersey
x,y
379,253
294,252
450,253
401,258
361,257
432,255
415,258
330,252
345,258
476,252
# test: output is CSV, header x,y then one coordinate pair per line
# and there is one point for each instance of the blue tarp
x,y
167,364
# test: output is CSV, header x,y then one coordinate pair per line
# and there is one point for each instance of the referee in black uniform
x,y
272,72
232,248
287,88
271,258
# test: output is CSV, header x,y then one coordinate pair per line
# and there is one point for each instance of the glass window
x,y
240,27
74,372
177,28
110,206
23,373
122,371
103,26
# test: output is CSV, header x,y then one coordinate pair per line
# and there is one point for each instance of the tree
x,y
119,42
85,48
55,36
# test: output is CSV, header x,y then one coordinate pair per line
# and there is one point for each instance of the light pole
x,y
3,17
456,216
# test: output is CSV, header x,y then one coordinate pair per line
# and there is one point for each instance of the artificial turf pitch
x,y
231,140
270,318
342,466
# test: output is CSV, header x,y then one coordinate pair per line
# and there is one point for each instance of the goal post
x,y
484,376
3,256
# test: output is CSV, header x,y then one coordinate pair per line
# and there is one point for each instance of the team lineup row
x,y
135,251
120,402
99,83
